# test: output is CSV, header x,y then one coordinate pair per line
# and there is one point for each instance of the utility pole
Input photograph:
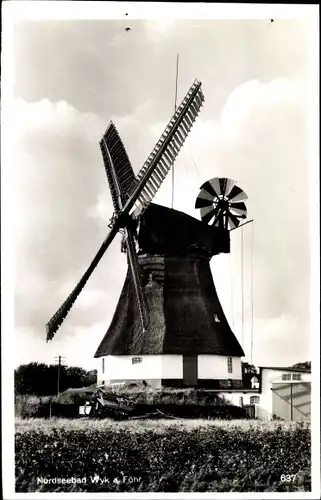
x,y
58,374
175,107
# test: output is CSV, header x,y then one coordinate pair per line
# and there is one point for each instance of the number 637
x,y
288,477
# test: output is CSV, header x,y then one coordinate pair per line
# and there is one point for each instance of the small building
x,y
246,398
277,392
285,393
248,372
255,384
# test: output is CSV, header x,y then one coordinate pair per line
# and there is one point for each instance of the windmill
x,y
188,341
168,328
131,195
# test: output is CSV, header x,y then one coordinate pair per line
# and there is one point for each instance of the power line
x,y
231,288
196,169
252,290
242,284
185,162
194,163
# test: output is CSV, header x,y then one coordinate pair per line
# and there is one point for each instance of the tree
x,y
33,378
90,378
41,379
306,365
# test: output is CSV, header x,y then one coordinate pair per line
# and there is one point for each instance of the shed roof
x,y
285,369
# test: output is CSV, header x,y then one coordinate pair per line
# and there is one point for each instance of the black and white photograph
x,y
160,258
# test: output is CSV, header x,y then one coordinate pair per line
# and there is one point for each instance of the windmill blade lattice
x,y
134,266
160,160
120,174
221,202
57,319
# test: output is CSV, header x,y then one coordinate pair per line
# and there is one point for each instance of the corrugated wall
x,y
291,401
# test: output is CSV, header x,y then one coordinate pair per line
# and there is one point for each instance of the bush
x,y
171,396
75,396
27,406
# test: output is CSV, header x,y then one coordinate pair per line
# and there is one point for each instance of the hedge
x,y
33,406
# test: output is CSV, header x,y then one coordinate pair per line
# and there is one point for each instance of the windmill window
x,y
254,400
103,365
296,376
229,365
136,361
216,318
286,376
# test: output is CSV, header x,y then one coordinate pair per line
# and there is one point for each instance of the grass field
x,y
39,424
164,455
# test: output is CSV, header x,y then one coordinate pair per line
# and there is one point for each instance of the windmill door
x,y
190,371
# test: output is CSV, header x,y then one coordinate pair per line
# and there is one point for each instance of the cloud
x,y
59,174
282,340
254,100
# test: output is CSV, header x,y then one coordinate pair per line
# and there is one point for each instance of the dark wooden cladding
x,y
170,232
208,384
190,371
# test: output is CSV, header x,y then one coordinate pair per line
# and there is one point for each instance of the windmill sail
x,y
57,319
121,177
159,162
120,174
134,267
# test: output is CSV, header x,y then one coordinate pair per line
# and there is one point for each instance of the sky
x,y
71,77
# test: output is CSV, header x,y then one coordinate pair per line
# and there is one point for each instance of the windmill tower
x,y
169,328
